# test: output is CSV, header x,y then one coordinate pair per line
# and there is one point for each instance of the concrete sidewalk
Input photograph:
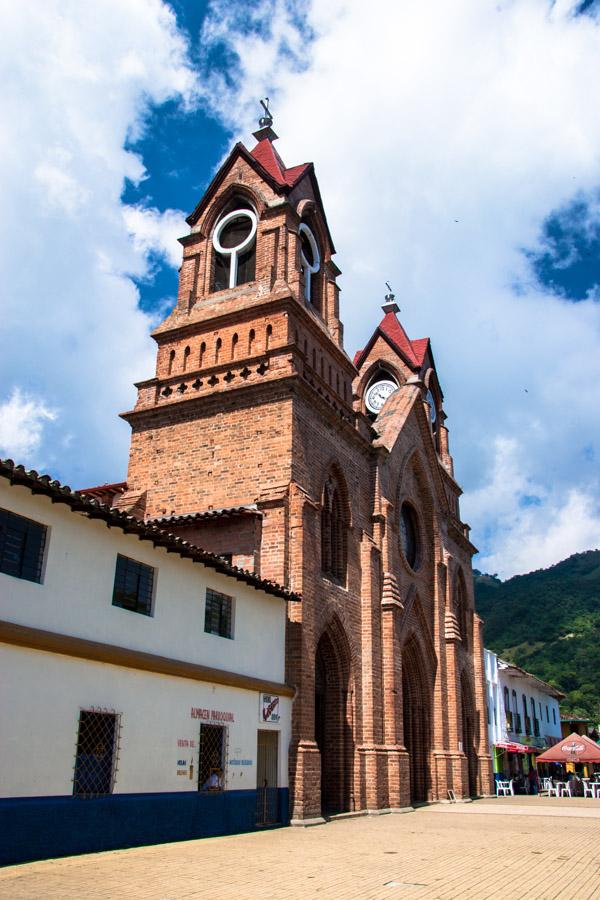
x,y
505,850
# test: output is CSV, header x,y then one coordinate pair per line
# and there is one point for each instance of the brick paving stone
x,y
517,848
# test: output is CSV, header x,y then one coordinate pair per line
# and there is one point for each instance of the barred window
x,y
133,587
218,616
22,543
96,753
211,761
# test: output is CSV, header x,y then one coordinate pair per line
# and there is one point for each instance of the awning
x,y
513,747
575,748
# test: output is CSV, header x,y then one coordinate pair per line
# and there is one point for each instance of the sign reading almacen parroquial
x,y
269,708
211,715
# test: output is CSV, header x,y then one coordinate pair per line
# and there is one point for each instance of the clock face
x,y
378,394
432,409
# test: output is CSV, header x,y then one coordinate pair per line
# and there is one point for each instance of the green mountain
x,y
548,622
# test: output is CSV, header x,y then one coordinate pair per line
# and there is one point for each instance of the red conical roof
x,y
413,352
268,157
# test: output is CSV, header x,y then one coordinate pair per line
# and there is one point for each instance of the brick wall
x,y
255,402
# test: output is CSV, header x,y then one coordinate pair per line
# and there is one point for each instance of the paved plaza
x,y
514,847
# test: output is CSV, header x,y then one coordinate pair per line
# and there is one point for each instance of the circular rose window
x,y
409,535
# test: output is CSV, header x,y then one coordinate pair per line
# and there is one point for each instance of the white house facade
x,y
523,715
142,685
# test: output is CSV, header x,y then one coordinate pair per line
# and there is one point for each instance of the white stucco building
x,y
523,715
142,687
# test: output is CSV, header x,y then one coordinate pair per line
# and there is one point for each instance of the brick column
x,y
370,751
304,757
485,776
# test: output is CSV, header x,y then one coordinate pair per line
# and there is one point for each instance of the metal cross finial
x,y
267,120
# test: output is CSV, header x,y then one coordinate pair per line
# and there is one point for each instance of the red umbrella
x,y
575,748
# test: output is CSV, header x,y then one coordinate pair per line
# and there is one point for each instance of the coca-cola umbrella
x,y
577,748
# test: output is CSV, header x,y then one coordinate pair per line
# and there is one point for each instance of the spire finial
x,y
390,304
265,124
267,120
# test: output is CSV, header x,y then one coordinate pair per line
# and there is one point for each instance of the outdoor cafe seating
x,y
577,748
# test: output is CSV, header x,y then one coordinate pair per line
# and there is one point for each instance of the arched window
x,y
186,356
461,610
333,532
234,243
202,352
234,343
251,338
310,259
507,709
218,346
171,360
409,535
268,336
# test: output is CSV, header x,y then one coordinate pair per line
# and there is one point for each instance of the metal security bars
x,y
218,616
212,758
22,543
134,583
95,761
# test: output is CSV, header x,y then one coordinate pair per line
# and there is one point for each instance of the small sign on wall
x,y
269,708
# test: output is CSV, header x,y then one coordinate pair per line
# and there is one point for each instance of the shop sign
x,y
211,715
573,748
269,708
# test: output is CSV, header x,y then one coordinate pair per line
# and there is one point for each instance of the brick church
x,y
261,440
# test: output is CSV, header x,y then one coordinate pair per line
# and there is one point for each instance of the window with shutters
x,y
218,614
134,586
22,544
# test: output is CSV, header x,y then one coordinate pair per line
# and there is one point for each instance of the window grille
x,y
212,758
134,583
95,760
218,616
22,543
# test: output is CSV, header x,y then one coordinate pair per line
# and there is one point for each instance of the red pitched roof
x,y
268,157
413,352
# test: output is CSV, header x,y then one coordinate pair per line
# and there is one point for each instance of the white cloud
x,y
75,89
156,232
534,525
22,419
443,135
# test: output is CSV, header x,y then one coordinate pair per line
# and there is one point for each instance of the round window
x,y
409,535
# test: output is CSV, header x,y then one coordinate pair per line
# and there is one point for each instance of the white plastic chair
x,y
555,790
504,789
546,784
588,789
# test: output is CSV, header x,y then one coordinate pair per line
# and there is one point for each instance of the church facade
x,y
260,439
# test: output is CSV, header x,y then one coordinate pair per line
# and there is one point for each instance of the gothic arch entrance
x,y
334,722
416,707
468,732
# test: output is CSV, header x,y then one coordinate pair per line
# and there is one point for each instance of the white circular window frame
x,y
309,269
234,252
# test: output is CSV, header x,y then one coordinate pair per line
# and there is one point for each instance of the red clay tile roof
x,y
420,347
413,352
268,157
94,509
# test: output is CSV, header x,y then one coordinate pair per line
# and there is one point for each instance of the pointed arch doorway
x,y
416,708
334,722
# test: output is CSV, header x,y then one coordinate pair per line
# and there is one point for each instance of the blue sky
x,y
463,143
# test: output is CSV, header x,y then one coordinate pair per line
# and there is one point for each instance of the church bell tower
x,y
260,440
